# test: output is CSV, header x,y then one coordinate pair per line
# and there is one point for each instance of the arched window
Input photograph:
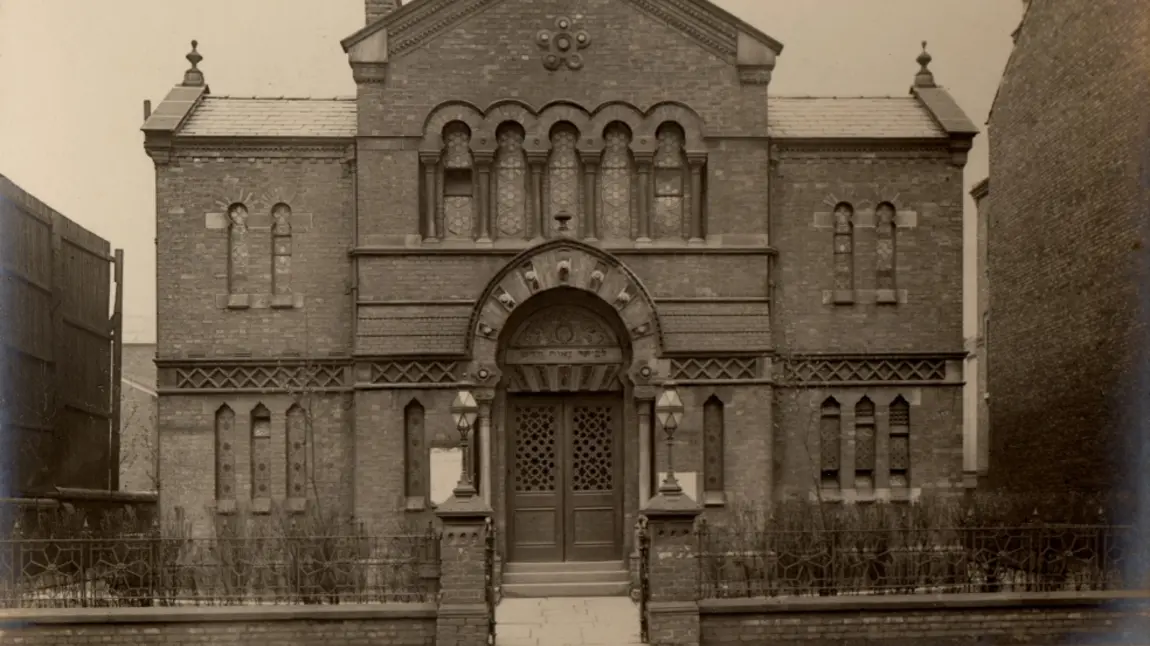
x,y
844,247
885,248
670,182
261,452
296,437
615,183
563,176
899,444
237,249
511,182
830,443
458,203
415,455
864,445
225,453
713,444
281,249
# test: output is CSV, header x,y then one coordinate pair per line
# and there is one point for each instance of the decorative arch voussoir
x,y
622,112
501,112
444,114
687,119
560,111
566,263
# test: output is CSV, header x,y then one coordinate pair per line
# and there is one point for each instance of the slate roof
x,y
271,117
789,117
850,117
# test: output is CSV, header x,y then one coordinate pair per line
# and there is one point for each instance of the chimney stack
x,y
376,9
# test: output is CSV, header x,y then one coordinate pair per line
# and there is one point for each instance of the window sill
x,y
239,301
225,507
415,504
714,499
261,505
886,297
296,505
843,297
260,301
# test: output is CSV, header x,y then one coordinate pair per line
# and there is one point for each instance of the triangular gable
x,y
417,22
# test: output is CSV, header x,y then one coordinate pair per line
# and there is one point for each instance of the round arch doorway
x,y
564,378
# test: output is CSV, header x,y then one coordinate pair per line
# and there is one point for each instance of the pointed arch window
x,y
713,446
899,444
415,455
615,183
261,453
844,250
563,176
296,438
864,445
885,251
281,249
670,182
225,454
458,201
830,443
238,249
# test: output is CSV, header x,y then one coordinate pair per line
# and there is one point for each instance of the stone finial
x,y
194,77
924,78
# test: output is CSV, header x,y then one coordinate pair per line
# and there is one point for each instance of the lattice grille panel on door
x,y
831,370
714,368
592,449
535,449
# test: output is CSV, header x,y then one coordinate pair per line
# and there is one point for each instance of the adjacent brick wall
x,y
1000,619
398,625
1065,245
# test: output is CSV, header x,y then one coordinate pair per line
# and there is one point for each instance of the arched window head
x,y
713,446
237,249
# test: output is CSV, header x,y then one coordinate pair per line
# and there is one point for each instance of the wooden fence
x,y
60,335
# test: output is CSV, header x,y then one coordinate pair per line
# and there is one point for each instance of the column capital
x,y
590,158
483,159
429,156
644,159
696,159
537,158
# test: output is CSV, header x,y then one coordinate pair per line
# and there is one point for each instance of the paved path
x,y
567,621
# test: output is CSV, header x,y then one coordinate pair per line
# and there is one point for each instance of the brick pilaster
x,y
673,608
463,613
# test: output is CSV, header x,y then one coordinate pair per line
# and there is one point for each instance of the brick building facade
x,y
1067,248
561,206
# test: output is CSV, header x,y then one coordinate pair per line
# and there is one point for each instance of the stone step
x,y
565,566
577,576
540,590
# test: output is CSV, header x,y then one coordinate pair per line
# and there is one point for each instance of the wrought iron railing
x,y
489,585
1034,558
643,535
152,571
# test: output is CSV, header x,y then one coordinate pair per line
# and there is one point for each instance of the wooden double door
x,y
565,477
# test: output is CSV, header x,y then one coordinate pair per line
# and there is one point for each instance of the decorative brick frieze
x,y
719,368
820,370
412,372
251,376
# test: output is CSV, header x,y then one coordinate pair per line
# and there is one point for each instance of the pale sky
x,y
74,75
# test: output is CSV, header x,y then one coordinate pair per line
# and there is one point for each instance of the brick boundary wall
x,y
399,624
1036,619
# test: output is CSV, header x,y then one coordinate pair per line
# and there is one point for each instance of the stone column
x,y
463,611
483,163
672,571
696,162
643,403
590,193
430,196
483,459
538,214
643,163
